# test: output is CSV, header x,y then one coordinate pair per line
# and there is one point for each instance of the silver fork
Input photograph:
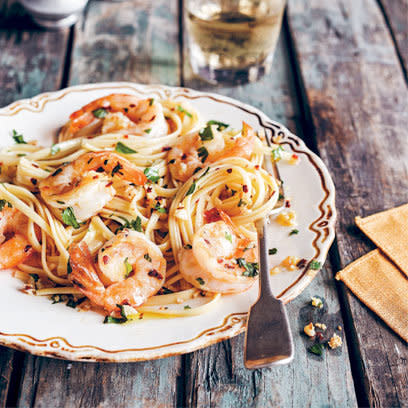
x,y
268,339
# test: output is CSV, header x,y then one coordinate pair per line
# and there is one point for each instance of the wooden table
x,y
339,80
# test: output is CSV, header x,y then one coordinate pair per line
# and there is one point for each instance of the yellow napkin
x,y
378,281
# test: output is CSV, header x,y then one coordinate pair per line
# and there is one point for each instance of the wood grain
x,y
358,102
396,14
216,376
130,41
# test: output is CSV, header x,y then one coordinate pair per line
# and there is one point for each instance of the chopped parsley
x,y
200,281
273,251
151,101
69,267
152,174
187,246
147,257
68,218
166,291
315,265
160,209
206,171
206,133
294,232
117,320
220,125
55,148
148,130
100,113
277,153
281,197
133,224
3,203
74,303
228,236
18,137
241,202
57,299
128,267
251,268
316,349
122,148
35,277
191,189
202,153
186,307
181,109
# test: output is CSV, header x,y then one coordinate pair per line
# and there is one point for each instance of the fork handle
x,y
264,281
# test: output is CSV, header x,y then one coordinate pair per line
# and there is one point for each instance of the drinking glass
x,y
232,41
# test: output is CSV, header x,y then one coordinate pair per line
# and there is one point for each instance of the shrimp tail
x,y
14,251
84,275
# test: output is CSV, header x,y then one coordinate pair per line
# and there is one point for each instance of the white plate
x,y
35,325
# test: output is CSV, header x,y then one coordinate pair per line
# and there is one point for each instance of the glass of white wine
x,y
232,41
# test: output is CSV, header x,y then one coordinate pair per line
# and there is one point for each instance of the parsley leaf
x,y
116,169
273,251
203,153
251,268
147,257
206,171
152,174
151,101
241,202
122,148
117,320
100,113
228,236
54,149
3,203
181,109
316,349
68,218
186,307
128,267
166,291
18,138
160,209
148,130
220,125
200,281
206,133
34,276
315,265
294,232
133,224
277,153
191,189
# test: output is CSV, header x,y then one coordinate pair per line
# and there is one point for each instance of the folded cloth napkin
x,y
380,278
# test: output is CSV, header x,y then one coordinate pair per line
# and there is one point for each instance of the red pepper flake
x,y
212,215
245,188
132,105
207,241
295,156
36,165
159,198
109,184
149,189
302,263
229,266
219,260
154,274
319,336
126,136
287,204
105,259
34,181
166,148
257,166
229,170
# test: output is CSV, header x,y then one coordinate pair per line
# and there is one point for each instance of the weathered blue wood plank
x,y
358,103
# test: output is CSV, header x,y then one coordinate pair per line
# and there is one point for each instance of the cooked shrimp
x,y
130,270
116,112
220,260
14,246
86,184
191,152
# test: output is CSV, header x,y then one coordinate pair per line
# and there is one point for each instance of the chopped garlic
x,y
317,302
335,341
321,326
286,219
310,330
290,262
